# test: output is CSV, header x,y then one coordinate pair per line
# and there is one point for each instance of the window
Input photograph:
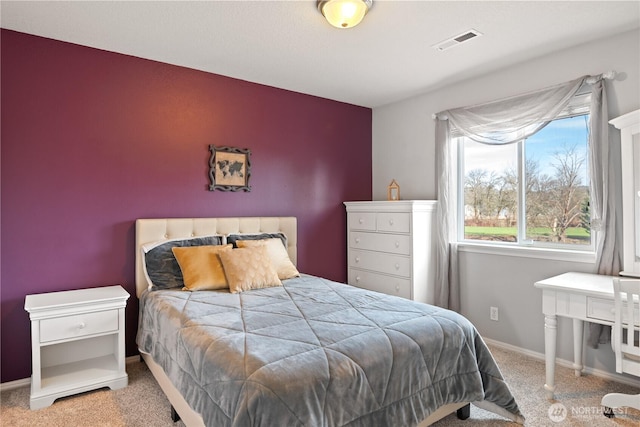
x,y
534,192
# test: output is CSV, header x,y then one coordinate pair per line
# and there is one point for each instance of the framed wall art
x,y
229,169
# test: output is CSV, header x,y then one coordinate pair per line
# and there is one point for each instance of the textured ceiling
x,y
287,44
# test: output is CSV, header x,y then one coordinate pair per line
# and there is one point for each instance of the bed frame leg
x,y
464,412
174,415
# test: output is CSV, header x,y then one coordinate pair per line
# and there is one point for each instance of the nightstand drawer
x,y
381,262
393,243
79,325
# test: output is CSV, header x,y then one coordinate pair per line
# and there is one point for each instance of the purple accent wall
x,y
92,140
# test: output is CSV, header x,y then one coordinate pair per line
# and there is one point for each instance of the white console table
x,y
581,297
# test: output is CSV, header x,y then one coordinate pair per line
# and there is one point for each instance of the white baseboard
x,y
10,385
133,359
612,376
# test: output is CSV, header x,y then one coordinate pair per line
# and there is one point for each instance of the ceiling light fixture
x,y
344,13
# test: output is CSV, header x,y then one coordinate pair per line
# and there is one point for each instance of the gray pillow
x,y
163,268
233,238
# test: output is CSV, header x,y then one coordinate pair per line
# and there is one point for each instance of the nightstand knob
x,y
82,325
390,222
397,244
397,288
357,259
357,240
357,278
397,266
361,221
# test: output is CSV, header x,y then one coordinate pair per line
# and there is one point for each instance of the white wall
x,y
403,149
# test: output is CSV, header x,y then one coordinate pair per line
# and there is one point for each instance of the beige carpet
x,y
143,404
579,396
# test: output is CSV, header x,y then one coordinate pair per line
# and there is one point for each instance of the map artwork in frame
x,y
229,169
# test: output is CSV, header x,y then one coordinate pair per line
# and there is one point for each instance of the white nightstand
x,y
77,342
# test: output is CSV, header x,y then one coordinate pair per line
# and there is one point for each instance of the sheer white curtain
x,y
505,122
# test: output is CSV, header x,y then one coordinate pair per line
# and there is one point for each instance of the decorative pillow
x,y
278,254
234,238
201,267
249,268
161,267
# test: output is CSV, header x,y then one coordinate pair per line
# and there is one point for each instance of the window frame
x,y
579,106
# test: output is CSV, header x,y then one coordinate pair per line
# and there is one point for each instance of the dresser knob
x,y
361,221
397,288
397,244
357,278
397,266
357,240
357,259
82,325
390,222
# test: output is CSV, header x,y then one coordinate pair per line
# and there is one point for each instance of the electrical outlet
x,y
493,313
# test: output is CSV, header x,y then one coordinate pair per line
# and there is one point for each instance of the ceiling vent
x,y
457,40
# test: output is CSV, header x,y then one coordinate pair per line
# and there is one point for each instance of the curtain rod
x,y
609,75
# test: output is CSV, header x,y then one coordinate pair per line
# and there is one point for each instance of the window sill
x,y
529,252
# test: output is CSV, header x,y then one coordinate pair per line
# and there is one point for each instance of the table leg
x,y
578,328
550,334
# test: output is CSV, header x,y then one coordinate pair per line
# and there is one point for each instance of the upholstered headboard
x,y
159,229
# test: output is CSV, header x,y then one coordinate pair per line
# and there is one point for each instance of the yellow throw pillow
x,y
201,267
249,268
278,254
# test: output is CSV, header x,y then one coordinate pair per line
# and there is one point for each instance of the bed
x,y
308,352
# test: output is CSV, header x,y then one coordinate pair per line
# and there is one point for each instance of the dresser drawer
x,y
393,243
79,325
380,262
362,221
380,283
398,222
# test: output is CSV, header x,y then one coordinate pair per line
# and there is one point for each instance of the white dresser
x,y
629,125
390,247
77,342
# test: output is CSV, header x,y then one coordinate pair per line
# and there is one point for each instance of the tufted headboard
x,y
154,230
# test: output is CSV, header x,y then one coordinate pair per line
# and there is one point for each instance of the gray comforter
x,y
317,353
